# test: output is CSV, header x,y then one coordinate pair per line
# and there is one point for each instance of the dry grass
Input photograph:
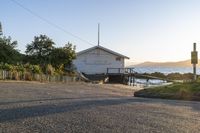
x,y
182,91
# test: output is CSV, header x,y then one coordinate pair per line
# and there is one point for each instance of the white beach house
x,y
97,60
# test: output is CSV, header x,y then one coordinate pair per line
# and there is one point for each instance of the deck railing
x,y
120,70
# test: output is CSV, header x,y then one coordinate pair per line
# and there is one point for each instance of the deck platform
x,y
120,75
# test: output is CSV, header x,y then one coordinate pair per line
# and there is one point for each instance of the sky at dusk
x,y
144,30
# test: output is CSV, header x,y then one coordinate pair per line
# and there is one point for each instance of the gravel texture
x,y
89,108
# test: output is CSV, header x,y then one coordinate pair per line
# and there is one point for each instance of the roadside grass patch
x,y
181,91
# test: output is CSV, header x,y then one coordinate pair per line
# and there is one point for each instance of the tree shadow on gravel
x,y
34,100
63,107
53,99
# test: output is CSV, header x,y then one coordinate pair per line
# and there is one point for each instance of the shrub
x,y
60,70
188,76
20,68
175,76
28,67
15,75
28,76
7,67
50,70
36,69
158,74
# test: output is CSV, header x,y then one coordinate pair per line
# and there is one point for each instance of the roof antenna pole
x,y
98,33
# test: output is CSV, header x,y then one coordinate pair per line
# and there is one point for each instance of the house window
x,y
118,59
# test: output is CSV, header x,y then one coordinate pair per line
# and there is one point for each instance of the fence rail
x,y
27,76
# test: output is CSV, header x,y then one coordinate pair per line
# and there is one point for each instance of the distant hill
x,y
186,63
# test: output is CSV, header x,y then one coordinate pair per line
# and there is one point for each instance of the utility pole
x,y
1,31
194,60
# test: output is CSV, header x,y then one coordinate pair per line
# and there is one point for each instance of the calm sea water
x,y
165,70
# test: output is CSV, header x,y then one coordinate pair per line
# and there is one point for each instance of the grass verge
x,y
178,91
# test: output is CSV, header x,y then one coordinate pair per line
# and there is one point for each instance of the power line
x,y
50,23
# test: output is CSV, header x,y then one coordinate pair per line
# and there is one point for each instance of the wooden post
x,y
194,72
194,60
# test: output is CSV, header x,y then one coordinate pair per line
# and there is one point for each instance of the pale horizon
x,y
158,31
130,62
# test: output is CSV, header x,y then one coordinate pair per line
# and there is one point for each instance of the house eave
x,y
105,49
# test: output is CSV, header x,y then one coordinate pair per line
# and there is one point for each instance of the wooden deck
x,y
125,75
120,75
120,71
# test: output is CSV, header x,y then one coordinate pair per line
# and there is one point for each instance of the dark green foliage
x,y
32,59
179,76
175,76
63,55
171,76
40,49
36,69
158,74
6,67
8,53
41,56
42,52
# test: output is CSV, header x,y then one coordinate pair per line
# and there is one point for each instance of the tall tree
x,y
8,51
40,48
63,56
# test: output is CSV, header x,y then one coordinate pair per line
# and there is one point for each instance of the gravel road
x,y
90,108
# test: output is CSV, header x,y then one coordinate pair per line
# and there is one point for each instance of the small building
x,y
98,60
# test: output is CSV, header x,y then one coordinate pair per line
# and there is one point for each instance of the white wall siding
x,y
97,61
